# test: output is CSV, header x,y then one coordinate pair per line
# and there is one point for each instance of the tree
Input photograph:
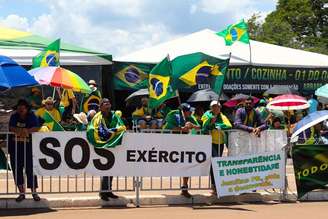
x,y
300,24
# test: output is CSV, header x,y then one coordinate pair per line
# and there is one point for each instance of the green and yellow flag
x,y
130,75
235,32
199,68
51,123
48,57
159,83
105,134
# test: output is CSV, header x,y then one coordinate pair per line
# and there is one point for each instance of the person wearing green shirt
x,y
160,113
35,99
182,121
214,121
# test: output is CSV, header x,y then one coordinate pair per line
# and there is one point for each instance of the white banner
x,y
141,154
240,174
243,143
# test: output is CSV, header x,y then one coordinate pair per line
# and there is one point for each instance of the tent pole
x,y
250,52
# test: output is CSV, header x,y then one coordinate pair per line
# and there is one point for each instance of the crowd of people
x,y
95,114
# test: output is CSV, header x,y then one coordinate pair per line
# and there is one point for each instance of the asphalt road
x,y
305,210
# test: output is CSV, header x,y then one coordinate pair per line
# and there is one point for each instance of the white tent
x,y
206,41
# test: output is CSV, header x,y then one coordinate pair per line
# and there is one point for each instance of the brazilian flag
x,y
160,79
48,57
130,75
235,32
104,132
51,123
199,68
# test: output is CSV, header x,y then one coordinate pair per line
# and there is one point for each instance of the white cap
x,y
215,102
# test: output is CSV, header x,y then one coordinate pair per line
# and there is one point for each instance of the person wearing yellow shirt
x,y
213,123
67,103
48,105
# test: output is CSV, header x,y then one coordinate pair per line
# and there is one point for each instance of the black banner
x,y
311,167
257,79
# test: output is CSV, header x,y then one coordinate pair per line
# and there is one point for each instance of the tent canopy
x,y
23,46
206,41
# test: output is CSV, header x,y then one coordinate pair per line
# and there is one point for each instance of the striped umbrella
x,y
288,102
60,77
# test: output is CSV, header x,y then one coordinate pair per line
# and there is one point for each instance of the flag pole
x,y
250,52
224,78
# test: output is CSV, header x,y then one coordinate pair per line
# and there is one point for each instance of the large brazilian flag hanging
x,y
310,167
199,68
129,75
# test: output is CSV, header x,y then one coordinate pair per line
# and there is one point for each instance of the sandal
x,y
20,198
36,197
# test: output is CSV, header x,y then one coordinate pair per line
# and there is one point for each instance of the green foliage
x,y
300,24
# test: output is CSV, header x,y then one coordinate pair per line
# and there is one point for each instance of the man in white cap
x,y
213,123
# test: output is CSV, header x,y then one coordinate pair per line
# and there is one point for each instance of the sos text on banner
x,y
141,154
240,174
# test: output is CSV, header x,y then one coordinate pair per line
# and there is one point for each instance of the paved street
x,y
317,210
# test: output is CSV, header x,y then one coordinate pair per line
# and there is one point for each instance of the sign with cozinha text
x,y
241,174
141,154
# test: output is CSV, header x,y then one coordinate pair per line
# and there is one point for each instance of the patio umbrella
x,y
280,89
13,75
322,91
60,77
206,96
310,120
288,102
135,98
239,98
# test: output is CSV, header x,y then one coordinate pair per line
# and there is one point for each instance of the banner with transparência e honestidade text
x,y
241,174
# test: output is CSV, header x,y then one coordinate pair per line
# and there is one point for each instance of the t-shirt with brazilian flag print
x,y
130,75
160,79
48,57
235,32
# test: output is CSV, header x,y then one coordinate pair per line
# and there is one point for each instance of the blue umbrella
x,y
13,75
310,120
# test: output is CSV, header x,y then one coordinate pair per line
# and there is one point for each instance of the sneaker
x,y
20,198
36,197
186,194
112,195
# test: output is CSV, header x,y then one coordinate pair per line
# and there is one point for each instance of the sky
x,y
120,27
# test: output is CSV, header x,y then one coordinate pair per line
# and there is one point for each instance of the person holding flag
x,y
182,121
106,130
214,122
91,101
49,116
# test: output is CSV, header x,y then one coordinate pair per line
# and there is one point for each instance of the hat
x,y
185,107
47,100
35,89
92,82
215,102
81,118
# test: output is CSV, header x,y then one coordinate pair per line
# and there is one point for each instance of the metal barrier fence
x,y
87,183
